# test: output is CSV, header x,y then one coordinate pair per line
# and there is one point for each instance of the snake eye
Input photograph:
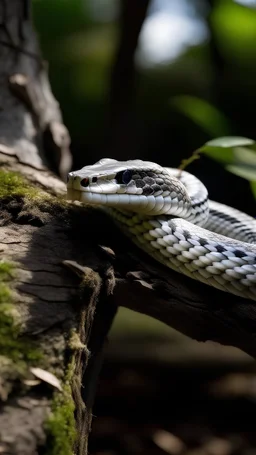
x,y
124,176
84,182
94,179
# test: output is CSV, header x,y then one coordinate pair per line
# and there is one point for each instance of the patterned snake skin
x,y
167,213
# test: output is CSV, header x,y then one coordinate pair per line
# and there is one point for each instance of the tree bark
x,y
31,127
51,339
46,319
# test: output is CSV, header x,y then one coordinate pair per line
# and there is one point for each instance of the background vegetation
x,y
190,79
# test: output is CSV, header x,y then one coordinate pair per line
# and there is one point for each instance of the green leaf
x,y
245,156
231,151
230,141
236,154
222,155
208,117
230,155
246,172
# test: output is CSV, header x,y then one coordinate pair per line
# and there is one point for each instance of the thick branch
x,y
143,285
195,309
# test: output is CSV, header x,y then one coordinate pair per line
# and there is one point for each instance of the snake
x,y
168,214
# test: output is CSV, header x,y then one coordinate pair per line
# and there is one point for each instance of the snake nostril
x,y
84,182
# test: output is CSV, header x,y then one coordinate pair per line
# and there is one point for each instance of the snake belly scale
x,y
167,213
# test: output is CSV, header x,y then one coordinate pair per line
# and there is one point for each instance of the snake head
x,y
135,185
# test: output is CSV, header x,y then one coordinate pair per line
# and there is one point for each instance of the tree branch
x,y
193,308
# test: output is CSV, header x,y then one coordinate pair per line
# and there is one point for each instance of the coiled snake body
x,y
168,214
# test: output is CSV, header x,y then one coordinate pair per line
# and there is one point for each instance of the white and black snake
x,y
168,214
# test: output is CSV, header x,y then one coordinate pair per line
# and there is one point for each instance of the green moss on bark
x,y
17,353
12,184
34,205
12,345
61,425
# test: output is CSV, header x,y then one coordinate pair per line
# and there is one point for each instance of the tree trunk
x,y
51,339
45,316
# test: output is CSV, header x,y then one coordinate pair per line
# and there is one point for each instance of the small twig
x,y
187,161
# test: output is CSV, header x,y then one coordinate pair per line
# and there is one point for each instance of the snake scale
x,y
167,213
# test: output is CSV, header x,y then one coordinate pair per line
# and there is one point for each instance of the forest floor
x,y
162,393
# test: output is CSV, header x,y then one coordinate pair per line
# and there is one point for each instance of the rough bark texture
x,y
57,318
47,312
46,319
31,128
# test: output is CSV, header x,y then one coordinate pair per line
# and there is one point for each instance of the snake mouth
x,y
146,205
108,194
90,198
123,201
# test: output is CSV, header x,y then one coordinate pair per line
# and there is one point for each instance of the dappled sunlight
x,y
165,36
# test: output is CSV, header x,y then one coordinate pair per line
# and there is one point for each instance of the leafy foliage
x,y
236,154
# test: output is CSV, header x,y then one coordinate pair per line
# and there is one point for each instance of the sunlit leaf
x,y
236,154
208,117
230,141
233,152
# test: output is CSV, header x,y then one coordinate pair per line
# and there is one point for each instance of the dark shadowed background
x,y
155,80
